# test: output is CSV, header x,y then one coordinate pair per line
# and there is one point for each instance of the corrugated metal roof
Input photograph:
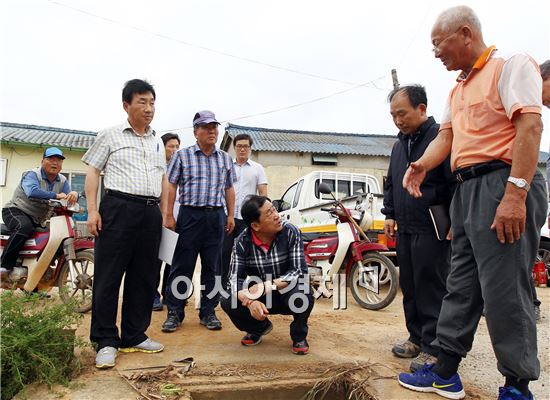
x,y
44,136
283,140
266,139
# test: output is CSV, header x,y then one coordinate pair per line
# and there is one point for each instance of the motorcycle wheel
x,y
544,254
362,282
84,266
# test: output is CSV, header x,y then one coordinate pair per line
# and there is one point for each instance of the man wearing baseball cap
x,y
22,214
205,176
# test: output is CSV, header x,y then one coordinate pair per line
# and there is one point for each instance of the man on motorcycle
x,y
271,253
28,210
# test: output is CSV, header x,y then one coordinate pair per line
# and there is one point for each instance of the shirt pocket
x,y
481,117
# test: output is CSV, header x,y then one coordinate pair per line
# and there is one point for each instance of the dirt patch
x,y
339,340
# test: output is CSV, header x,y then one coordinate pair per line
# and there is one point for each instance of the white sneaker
x,y
17,273
105,357
147,346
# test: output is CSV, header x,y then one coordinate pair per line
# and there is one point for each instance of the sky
x,y
291,64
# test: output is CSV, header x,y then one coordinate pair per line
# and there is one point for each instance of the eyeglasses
x,y
242,146
437,46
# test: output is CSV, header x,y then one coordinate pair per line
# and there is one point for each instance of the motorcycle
x,y
57,256
371,276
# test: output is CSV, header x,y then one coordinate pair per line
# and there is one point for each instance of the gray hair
x,y
545,70
453,17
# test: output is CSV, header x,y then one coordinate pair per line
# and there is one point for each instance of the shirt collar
x,y
480,63
246,162
197,149
149,131
257,242
44,176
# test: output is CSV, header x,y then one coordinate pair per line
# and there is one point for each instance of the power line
x,y
208,49
366,84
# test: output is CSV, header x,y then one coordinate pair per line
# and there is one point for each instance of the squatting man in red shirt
x,y
269,255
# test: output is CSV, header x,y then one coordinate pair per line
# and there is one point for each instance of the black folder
x,y
441,220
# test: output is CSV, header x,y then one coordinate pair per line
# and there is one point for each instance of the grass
x,y
37,341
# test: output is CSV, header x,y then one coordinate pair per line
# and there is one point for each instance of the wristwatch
x,y
520,183
273,287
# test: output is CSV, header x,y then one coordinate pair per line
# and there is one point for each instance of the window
x,y
76,180
288,197
298,191
330,183
324,159
343,189
3,171
358,187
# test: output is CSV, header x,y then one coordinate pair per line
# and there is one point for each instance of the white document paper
x,y
168,243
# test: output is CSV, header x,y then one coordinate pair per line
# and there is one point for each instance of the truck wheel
x,y
374,283
82,291
544,254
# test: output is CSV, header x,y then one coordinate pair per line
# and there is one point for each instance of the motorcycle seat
x,y
309,236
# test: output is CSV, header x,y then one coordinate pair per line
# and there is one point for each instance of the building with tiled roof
x,y
289,154
22,147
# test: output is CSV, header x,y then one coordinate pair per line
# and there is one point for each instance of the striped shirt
x,y
131,163
283,260
202,179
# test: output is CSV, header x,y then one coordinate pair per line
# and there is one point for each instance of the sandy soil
x,y
338,338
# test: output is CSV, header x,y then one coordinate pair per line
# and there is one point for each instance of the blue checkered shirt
x,y
284,260
202,179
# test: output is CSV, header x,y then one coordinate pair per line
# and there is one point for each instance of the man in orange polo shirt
x,y
492,129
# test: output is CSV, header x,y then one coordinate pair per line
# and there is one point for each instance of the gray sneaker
x,y
147,346
422,359
406,349
17,273
105,357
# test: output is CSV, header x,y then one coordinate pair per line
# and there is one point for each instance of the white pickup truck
x,y
301,203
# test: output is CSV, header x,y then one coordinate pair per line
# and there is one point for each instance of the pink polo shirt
x,y
481,106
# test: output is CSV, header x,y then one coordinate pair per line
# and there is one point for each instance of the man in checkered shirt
x,y
205,175
127,225
270,254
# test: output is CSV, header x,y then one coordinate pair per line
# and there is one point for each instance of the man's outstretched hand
x,y
415,175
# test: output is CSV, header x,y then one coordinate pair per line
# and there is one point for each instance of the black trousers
x,y
200,232
228,242
243,320
127,246
424,264
21,226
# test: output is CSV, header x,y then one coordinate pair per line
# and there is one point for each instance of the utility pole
x,y
394,79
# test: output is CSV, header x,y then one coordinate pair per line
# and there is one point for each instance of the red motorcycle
x,y
56,257
371,276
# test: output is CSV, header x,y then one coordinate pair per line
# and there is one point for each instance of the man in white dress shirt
x,y
251,179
